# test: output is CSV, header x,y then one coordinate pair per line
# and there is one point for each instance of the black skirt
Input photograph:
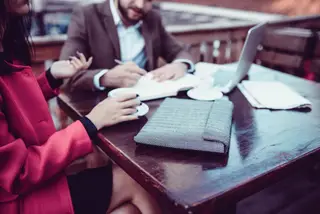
x,y
91,190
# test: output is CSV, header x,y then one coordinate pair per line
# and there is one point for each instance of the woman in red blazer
x,y
34,156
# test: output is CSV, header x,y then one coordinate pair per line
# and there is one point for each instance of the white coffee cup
x,y
121,91
141,109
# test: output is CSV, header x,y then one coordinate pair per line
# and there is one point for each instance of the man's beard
x,y
124,14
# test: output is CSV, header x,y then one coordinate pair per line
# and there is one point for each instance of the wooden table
x,y
266,146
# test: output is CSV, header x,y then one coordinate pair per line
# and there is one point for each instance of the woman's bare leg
x,y
126,190
126,209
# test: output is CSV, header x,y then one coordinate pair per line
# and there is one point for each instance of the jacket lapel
x,y
110,27
113,34
147,35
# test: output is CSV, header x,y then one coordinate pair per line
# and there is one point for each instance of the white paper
x,y
149,89
272,95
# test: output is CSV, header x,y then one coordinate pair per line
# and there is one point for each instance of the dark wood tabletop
x,y
265,147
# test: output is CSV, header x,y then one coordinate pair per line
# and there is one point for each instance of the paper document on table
x,y
272,95
149,89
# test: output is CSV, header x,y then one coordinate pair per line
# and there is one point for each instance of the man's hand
x,y
67,68
171,71
125,75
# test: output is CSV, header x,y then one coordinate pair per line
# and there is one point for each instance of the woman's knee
x,y
124,180
123,188
127,208
134,193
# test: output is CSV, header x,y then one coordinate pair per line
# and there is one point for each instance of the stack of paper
x,y
149,89
272,95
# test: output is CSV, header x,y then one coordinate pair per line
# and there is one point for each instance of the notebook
x,y
272,95
149,89
189,124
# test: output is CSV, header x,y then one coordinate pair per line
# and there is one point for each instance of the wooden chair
x,y
287,49
315,69
315,62
225,49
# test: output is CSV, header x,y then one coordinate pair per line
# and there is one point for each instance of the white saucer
x,y
142,110
206,94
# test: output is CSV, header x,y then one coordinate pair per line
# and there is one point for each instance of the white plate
x,y
206,94
142,110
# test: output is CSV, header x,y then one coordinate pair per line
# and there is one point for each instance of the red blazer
x,y
33,155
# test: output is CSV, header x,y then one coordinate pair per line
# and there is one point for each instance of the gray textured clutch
x,y
189,124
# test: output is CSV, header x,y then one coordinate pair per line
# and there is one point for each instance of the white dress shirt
x,y
130,51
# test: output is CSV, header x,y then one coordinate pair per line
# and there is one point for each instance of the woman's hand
x,y
114,110
67,68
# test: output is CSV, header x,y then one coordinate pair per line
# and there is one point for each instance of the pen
x,y
118,62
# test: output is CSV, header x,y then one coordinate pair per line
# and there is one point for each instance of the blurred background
x,y
213,30
51,17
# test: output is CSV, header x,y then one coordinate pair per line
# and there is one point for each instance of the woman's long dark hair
x,y
14,35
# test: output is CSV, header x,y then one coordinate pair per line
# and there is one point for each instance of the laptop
x,y
227,79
